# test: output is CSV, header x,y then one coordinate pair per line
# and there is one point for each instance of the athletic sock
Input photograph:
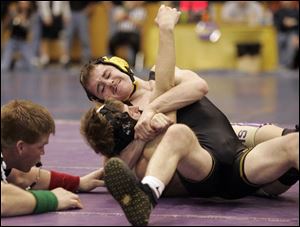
x,y
155,184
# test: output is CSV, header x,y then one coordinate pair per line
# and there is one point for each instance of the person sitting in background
x,y
242,12
54,15
25,187
128,19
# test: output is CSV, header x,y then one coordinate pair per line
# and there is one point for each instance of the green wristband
x,y
45,201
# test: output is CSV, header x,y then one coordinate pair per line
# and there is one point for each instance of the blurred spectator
x,y
286,20
4,17
127,18
192,11
80,12
243,12
18,24
36,33
55,15
249,13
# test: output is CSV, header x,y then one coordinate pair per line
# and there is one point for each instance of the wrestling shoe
x,y
288,131
136,199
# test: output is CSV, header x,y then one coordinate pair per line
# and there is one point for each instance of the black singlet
x,y
212,128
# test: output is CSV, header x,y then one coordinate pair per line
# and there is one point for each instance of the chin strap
x,y
134,89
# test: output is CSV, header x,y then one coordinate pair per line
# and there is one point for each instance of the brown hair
x,y
86,71
24,120
97,131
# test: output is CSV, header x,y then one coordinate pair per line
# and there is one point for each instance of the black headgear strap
x,y
123,128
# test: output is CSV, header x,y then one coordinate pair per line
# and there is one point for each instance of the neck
x,y
142,86
8,157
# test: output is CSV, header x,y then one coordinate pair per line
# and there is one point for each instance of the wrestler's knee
x,y
291,145
180,132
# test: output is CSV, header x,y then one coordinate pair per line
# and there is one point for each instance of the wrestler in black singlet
x,y
216,135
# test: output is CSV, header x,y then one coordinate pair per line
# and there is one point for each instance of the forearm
x,y
180,96
165,65
42,179
36,178
131,154
165,62
16,201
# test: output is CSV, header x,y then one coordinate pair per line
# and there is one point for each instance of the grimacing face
x,y
107,82
133,111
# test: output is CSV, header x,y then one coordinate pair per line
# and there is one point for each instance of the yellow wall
x,y
196,54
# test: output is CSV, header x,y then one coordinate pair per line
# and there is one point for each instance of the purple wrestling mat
x,y
68,152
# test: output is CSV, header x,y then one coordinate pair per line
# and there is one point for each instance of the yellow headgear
x,y
119,63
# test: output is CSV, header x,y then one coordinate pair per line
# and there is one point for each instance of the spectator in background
x,y
54,16
127,18
286,21
36,33
4,18
80,12
243,12
192,11
18,23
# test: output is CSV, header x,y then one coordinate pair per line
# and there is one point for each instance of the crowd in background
x,y
32,24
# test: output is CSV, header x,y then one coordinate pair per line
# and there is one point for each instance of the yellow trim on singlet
x,y
242,172
212,168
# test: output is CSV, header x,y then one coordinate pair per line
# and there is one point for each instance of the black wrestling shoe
x,y
290,177
288,131
136,199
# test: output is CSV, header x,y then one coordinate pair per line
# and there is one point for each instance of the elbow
x,y
4,204
4,211
202,88
205,88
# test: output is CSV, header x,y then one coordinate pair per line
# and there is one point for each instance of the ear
x,y
134,112
20,146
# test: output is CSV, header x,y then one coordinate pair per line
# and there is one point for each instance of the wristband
x,y
45,201
66,181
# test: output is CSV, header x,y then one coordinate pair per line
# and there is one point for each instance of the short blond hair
x,y
24,120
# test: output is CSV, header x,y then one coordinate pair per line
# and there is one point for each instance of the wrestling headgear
x,y
123,128
117,62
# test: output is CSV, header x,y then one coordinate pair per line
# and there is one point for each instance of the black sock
x,y
290,177
288,130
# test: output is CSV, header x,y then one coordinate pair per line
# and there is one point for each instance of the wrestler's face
x,y
121,107
30,154
107,81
